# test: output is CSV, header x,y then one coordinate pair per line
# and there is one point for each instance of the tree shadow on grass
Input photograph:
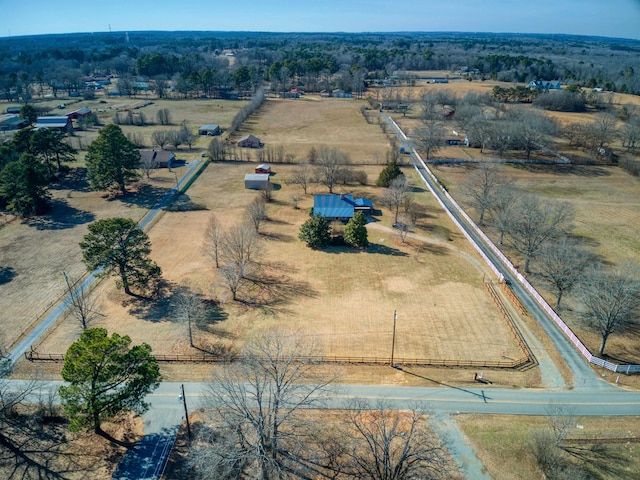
x,y
62,216
601,460
571,169
270,289
379,249
76,180
6,274
146,196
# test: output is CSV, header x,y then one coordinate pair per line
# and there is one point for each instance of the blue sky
x,y
611,18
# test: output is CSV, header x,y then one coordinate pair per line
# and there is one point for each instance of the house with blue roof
x,y
340,207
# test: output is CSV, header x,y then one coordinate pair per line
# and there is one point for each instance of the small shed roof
x,y
257,177
81,111
249,137
264,166
210,127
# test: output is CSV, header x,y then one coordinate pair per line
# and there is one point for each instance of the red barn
x,y
263,168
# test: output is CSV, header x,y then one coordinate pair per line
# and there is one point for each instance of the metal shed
x,y
257,181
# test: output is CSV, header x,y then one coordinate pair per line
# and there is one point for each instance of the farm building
x,y
340,207
162,158
249,141
11,121
210,130
257,181
57,123
80,113
263,168
13,109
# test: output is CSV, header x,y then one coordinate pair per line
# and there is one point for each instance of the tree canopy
x,y
315,232
387,174
112,160
23,186
119,244
106,376
355,233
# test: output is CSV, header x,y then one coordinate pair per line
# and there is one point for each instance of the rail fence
x,y
626,369
34,356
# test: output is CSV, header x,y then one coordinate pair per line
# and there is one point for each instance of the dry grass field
x,y
607,217
501,442
344,299
312,121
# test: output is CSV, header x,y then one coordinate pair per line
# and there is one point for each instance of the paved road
x,y
583,375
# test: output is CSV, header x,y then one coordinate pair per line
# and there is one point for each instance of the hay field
x,y
343,299
607,217
312,121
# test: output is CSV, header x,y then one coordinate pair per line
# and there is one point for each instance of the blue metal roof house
x,y
340,207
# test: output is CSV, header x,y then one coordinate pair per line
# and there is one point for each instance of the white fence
x,y
507,263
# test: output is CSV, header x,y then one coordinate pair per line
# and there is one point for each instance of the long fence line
x,y
524,346
627,369
34,356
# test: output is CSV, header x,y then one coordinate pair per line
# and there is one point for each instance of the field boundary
x,y
34,356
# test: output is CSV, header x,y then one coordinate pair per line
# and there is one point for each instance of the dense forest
x,y
198,63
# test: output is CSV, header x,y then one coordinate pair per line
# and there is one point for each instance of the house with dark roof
x,y
545,85
340,207
161,158
210,130
62,124
249,141
12,121
80,113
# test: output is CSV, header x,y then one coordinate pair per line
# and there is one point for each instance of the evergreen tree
x,y
315,232
387,174
106,377
119,245
355,233
23,186
112,160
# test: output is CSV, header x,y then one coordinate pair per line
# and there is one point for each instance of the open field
x,y
607,217
501,442
344,299
312,121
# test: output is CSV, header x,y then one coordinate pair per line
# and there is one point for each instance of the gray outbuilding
x,y
257,181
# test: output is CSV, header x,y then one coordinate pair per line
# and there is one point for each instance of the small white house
x,y
257,181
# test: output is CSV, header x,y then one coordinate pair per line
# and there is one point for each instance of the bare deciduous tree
x,y
159,137
213,239
392,445
531,129
164,116
536,222
81,303
239,249
481,187
430,138
329,165
396,195
611,300
257,427
188,309
504,209
256,212
562,265
302,176
148,163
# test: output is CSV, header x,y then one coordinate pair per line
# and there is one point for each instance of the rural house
x,y
210,130
79,114
340,207
263,168
62,124
249,141
12,121
544,85
162,158
257,181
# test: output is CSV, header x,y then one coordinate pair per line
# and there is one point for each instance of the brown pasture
x,y
607,217
344,299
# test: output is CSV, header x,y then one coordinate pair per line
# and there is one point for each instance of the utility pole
x,y
186,413
393,338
